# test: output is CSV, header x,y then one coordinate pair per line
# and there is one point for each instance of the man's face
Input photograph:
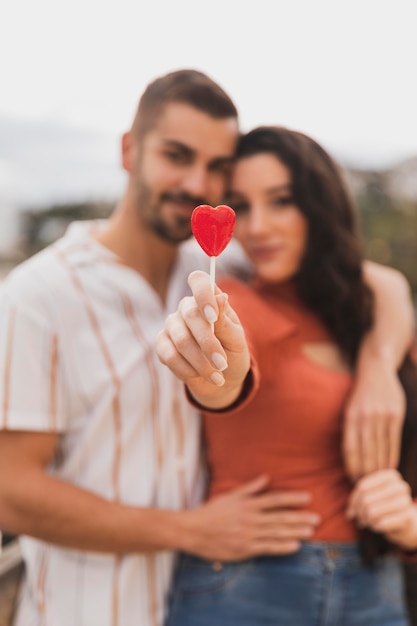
x,y
184,161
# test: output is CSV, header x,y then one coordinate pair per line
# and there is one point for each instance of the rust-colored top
x,y
290,427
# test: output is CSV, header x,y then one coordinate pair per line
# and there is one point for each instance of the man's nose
x,y
196,182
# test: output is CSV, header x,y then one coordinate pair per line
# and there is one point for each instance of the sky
x,y
71,73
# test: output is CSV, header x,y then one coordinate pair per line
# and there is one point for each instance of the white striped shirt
x,y
77,331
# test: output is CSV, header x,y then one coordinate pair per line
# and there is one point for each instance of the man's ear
x,y
128,148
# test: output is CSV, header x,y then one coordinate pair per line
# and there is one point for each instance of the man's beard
x,y
175,235
150,214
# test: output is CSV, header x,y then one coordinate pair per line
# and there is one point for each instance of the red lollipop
x,y
213,227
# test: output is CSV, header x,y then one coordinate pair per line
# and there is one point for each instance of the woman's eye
x,y
240,207
283,201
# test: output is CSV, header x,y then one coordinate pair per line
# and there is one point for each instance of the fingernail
x,y
314,519
217,379
210,314
219,361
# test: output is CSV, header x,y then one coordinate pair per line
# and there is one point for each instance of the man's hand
x,y
373,421
213,365
382,501
375,412
249,521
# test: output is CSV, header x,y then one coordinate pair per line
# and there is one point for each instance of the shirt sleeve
x,y
31,385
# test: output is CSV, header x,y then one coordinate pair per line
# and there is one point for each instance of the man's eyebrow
x,y
222,160
177,145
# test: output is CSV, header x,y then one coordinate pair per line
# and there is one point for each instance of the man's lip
x,y
182,205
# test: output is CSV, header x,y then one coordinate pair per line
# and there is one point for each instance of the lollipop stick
x,y
212,272
212,279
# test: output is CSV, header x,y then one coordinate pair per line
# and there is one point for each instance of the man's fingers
x,y
276,509
288,523
381,433
381,442
394,441
373,422
367,434
254,486
280,540
257,522
270,500
280,499
366,443
352,447
270,546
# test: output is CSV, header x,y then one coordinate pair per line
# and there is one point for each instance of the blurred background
x,y
71,74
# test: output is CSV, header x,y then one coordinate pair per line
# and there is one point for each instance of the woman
x,y
276,408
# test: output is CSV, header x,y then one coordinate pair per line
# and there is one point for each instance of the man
x,y
99,454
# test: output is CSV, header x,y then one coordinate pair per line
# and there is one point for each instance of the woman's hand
x,y
382,501
203,343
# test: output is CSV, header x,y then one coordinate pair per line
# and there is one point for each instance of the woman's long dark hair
x,y
330,280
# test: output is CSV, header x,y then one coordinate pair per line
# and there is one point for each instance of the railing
x,y
10,571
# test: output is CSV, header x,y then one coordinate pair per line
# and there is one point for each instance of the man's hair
x,y
185,86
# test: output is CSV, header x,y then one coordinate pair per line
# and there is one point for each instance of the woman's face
x,y
269,226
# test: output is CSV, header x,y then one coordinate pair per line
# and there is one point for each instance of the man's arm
x,y
375,411
243,523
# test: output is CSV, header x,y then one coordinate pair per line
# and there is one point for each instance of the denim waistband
x,y
323,583
324,554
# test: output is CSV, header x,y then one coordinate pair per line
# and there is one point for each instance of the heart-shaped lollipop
x,y
213,227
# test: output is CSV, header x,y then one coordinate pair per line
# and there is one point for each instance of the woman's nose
x,y
258,222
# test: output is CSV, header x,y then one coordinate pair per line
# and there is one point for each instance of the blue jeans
x,y
324,584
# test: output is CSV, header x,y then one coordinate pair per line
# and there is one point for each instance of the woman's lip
x,y
266,251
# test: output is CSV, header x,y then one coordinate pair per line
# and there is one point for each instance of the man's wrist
x,y
377,356
185,536
165,529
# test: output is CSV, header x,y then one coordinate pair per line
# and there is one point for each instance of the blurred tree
x,y
389,228
43,226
